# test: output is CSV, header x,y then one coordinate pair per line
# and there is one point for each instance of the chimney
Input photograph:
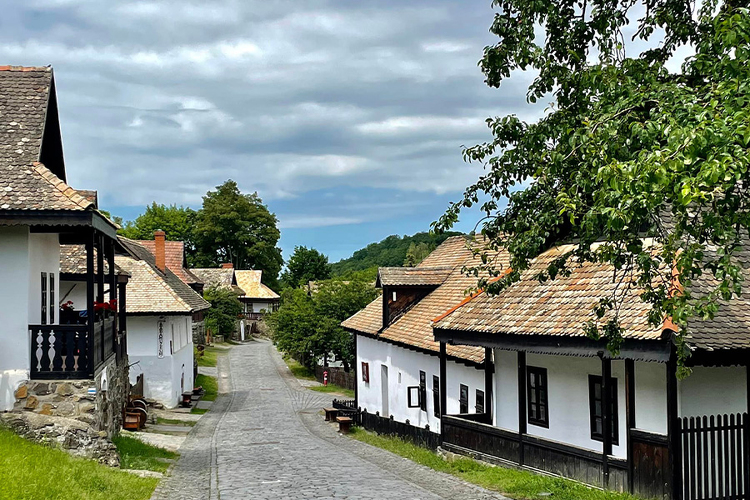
x,y
227,265
159,251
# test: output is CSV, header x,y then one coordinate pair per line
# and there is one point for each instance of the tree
x,y
238,228
416,253
627,150
305,264
309,327
176,222
221,318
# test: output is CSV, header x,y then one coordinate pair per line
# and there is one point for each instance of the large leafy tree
x,y
308,326
238,228
305,264
221,318
176,222
626,150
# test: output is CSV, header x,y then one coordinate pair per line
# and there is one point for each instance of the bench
x,y
331,414
345,424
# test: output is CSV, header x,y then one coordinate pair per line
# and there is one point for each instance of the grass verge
x,y
517,484
297,369
32,471
210,355
199,411
135,454
333,388
210,386
174,421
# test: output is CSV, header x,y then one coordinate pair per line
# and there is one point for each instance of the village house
x,y
565,405
257,298
49,364
397,359
160,315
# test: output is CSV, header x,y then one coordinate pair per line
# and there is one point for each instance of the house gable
x,y
51,148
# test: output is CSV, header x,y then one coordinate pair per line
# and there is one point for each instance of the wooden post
x,y
356,374
100,288
673,426
112,292
122,323
489,370
521,404
90,314
443,382
606,417
630,417
747,432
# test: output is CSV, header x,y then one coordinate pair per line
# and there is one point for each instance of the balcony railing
x,y
66,351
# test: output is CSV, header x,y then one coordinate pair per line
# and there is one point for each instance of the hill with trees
x,y
393,251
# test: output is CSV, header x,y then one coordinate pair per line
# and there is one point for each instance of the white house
x,y
565,405
38,211
398,361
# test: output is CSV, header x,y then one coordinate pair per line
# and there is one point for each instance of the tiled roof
x,y
26,184
221,277
414,327
412,276
174,257
249,282
152,291
73,260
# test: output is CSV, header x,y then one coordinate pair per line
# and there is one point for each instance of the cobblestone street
x,y
264,439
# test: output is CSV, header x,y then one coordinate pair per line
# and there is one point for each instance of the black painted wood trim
x,y
629,417
647,437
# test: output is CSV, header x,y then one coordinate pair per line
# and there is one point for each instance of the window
x,y
365,372
436,395
394,296
422,391
463,399
595,408
480,402
44,299
538,410
413,394
52,298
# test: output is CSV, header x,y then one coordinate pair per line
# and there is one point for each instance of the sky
x,y
348,118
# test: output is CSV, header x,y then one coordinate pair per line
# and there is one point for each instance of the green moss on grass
x,y
135,454
210,386
31,471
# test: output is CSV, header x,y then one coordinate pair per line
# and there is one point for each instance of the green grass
x,y
32,471
333,388
174,421
517,484
135,454
210,386
210,355
199,411
298,370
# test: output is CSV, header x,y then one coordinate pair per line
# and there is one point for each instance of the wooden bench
x,y
345,424
331,414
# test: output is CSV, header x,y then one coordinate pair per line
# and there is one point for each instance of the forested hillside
x,y
392,251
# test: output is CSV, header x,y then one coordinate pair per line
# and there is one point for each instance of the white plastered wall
x,y
506,390
162,376
404,366
713,390
651,397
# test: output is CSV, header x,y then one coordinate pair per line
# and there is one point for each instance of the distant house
x,y
39,341
175,259
160,317
257,297
398,361
221,277
565,405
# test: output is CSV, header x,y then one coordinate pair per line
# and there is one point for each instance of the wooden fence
x,y
381,425
716,457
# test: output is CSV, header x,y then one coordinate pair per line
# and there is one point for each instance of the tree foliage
x,y
391,252
308,326
176,222
305,264
417,252
626,150
221,318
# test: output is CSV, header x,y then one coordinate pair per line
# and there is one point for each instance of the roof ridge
x,y
61,186
9,67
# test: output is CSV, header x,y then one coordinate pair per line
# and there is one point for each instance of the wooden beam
x,y
489,370
747,430
90,314
673,426
606,418
356,373
521,404
630,417
443,382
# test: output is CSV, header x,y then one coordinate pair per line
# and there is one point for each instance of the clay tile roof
x,y
221,277
412,276
151,291
73,261
250,282
414,327
174,256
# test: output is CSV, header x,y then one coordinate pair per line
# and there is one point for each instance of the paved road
x,y
265,439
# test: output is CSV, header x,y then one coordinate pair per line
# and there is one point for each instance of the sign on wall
x,y
160,346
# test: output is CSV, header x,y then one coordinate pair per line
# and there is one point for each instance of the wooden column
x,y
521,404
606,417
443,382
489,370
100,288
90,314
630,416
673,426
122,323
356,373
112,291
747,432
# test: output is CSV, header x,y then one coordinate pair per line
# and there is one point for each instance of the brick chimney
x,y
159,251
227,265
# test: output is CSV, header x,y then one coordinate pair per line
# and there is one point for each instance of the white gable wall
x,y
713,390
44,257
163,376
404,366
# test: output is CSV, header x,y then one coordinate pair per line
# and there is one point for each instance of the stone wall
x,y
199,332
